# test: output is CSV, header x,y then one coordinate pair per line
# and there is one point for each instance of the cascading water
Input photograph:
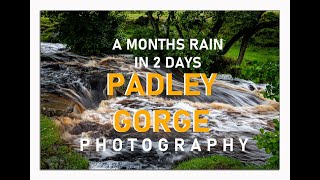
x,y
77,84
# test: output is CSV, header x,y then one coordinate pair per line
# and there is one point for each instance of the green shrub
x,y
54,154
270,142
264,72
88,32
267,37
214,162
47,29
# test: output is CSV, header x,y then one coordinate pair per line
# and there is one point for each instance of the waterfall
x,y
77,86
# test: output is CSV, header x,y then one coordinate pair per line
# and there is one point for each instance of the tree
x,y
88,32
154,22
218,25
196,24
250,25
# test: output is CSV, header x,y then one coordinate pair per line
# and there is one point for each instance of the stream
x,y
73,92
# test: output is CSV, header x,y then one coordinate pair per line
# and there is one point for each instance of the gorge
x,y
73,93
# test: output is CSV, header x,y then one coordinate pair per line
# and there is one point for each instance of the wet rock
x,y
54,105
251,87
98,130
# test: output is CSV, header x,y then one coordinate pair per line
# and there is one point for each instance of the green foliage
x,y
88,32
47,28
194,26
264,72
273,90
237,20
141,32
266,37
93,32
214,162
269,140
261,65
199,24
134,15
54,154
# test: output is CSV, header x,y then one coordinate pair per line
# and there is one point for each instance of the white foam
x,y
184,106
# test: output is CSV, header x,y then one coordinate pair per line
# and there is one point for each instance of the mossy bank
x,y
214,162
54,153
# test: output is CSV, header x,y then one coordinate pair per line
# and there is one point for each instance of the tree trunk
x,y
244,45
179,31
234,39
248,30
217,26
153,22
168,23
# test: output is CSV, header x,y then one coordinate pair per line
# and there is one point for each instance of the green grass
x,y
49,133
133,15
257,61
253,53
214,162
54,154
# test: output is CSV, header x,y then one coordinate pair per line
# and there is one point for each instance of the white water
x,y
237,110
